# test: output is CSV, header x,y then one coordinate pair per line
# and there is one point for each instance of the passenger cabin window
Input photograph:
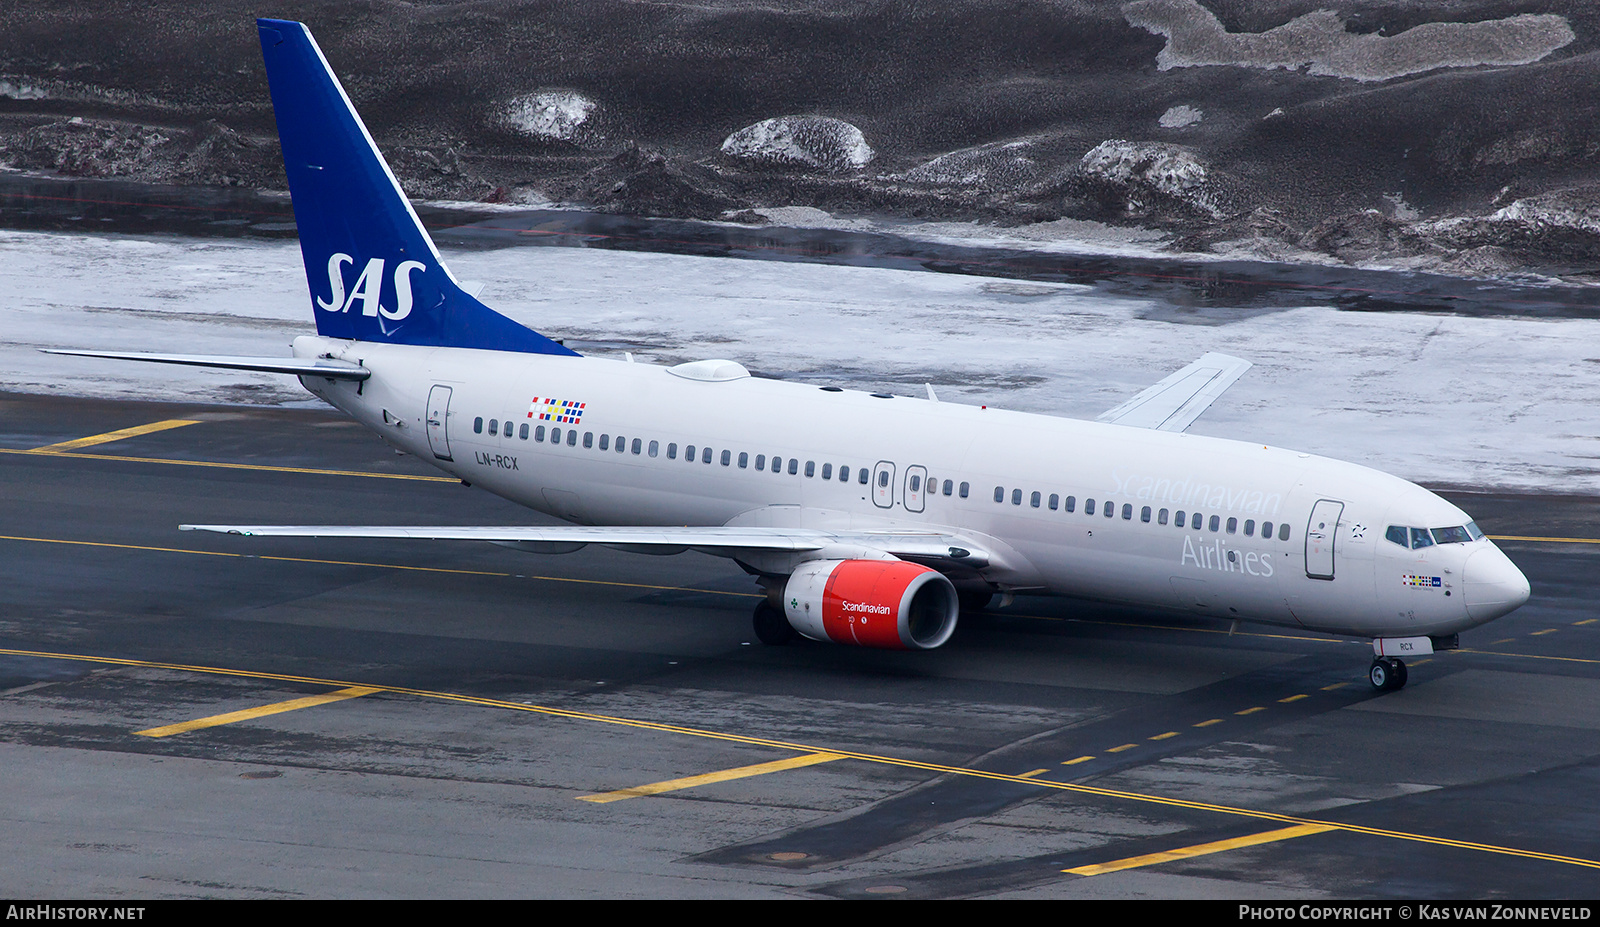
x,y
477,425
705,456
827,471
744,460
1016,497
588,439
1055,501
1283,531
522,431
1088,506
494,425
1110,509
1033,500
999,494
794,466
605,440
811,468
1216,521
1144,514
861,475
726,456
1266,530
1249,527
672,451
964,488
637,446
1161,517
1072,503
1127,512
1233,525
1178,519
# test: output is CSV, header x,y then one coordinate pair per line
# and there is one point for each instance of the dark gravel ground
x,y
1452,166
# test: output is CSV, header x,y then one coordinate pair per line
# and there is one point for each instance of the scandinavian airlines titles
x,y
1188,491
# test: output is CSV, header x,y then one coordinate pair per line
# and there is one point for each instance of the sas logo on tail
x,y
368,288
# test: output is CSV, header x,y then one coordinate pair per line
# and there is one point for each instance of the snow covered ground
x,y
1444,400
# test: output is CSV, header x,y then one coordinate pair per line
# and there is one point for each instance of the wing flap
x,y
1175,402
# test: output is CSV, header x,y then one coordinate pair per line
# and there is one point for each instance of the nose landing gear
x,y
1387,674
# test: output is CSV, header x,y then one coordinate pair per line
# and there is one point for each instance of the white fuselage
x,y
912,450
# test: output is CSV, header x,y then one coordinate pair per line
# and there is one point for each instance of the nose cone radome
x,y
1492,585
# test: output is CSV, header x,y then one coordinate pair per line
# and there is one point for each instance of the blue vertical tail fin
x,y
373,271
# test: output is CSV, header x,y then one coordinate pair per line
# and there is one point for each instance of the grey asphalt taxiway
x,y
188,714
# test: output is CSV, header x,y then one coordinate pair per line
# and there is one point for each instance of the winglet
x,y
1174,403
373,271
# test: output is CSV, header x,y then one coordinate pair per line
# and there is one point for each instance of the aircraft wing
x,y
919,545
1174,403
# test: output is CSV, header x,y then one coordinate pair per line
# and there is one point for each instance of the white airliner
x,y
868,519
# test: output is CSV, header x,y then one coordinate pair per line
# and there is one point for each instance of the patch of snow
x,y
548,114
1166,169
1319,42
21,91
1179,116
817,142
984,167
1440,399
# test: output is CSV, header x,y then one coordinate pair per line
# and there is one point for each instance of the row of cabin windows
x,y
1195,520
705,455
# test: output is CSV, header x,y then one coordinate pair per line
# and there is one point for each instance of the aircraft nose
x,y
1492,585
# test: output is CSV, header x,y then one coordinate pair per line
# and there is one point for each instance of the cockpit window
x,y
1416,538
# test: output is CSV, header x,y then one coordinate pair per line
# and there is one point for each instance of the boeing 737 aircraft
x,y
868,519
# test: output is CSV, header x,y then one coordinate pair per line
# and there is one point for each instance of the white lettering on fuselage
x,y
1190,492
368,289
1217,555
865,607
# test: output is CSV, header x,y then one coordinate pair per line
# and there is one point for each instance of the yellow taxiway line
x,y
276,708
689,782
46,452
380,566
1203,849
898,762
110,436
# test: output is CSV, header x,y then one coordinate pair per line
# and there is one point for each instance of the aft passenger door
x,y
883,485
438,422
1321,531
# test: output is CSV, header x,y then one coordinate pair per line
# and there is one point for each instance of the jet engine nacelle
x,y
890,604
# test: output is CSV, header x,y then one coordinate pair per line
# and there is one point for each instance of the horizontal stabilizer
x,y
325,367
1174,403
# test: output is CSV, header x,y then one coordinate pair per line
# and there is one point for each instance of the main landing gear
x,y
1387,674
772,627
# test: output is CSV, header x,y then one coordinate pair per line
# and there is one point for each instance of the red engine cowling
x,y
872,603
